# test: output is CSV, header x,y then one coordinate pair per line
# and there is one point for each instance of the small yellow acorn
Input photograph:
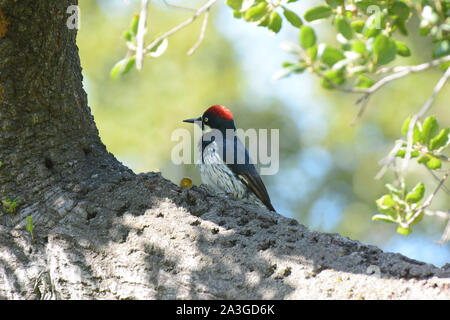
x,y
186,183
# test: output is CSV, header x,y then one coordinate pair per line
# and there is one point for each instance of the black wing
x,y
249,176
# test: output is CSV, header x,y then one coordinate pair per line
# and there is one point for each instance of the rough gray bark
x,y
103,232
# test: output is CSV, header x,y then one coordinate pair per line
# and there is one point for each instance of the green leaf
x,y
385,202
440,140
127,35
364,82
382,217
365,4
441,49
288,70
134,25
237,14
275,22
257,12
292,17
393,189
307,37
115,71
235,4
430,129
417,134
402,49
416,194
385,49
159,49
312,52
385,205
129,65
320,12
332,77
405,125
400,10
423,159
424,28
358,46
330,55
418,218
401,26
264,22
122,67
444,66
30,225
433,163
404,231
343,27
334,3
358,26
401,153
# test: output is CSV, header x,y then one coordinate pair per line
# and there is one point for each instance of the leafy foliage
x,y
366,32
428,144
11,205
404,207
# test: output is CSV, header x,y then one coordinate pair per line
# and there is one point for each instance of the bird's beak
x,y
193,120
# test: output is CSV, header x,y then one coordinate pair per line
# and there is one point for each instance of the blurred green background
x,y
327,167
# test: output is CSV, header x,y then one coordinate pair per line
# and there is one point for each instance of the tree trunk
x,y
103,232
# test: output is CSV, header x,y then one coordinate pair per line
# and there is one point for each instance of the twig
x,y
199,12
202,34
337,87
178,7
140,34
365,102
437,179
409,142
386,162
416,68
397,73
438,213
446,235
436,90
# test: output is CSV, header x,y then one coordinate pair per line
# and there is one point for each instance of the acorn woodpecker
x,y
225,165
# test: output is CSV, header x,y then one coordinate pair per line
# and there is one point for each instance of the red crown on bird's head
x,y
220,111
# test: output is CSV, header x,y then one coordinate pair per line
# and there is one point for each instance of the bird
x,y
236,177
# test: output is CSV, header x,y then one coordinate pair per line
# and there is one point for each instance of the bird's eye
x,y
205,119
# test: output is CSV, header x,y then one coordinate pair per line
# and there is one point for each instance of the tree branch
x,y
178,7
446,235
386,162
177,28
140,35
417,68
202,34
397,73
